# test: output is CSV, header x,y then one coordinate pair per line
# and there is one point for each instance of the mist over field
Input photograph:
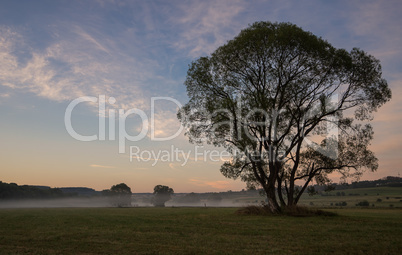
x,y
223,203
385,192
55,203
100,202
13,195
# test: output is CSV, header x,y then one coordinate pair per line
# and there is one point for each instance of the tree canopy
x,y
121,188
162,194
15,191
120,195
289,107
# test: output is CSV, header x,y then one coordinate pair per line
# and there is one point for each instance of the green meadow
x,y
197,231
376,197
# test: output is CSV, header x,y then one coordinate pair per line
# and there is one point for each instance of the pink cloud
x,y
213,184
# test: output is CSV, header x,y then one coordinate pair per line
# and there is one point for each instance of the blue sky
x,y
52,52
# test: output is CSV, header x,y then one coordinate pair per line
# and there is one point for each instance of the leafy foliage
x,y
273,90
363,203
162,194
120,195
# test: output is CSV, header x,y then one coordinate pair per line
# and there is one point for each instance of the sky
x,y
135,55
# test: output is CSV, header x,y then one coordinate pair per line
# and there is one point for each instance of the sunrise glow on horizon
x,y
93,60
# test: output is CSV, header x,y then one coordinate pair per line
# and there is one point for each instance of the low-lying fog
x,y
102,202
60,202
223,203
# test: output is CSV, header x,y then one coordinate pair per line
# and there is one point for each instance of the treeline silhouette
x,y
15,191
389,181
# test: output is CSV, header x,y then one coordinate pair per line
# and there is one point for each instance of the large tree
x,y
120,195
290,107
162,194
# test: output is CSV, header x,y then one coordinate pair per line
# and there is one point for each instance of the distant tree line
x,y
15,191
389,181
120,194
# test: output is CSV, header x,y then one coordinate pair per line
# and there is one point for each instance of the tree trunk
x,y
272,202
270,189
279,190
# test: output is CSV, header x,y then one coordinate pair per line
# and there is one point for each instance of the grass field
x,y
383,197
196,231
389,197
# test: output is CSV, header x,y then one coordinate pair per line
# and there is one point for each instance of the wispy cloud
x,y
214,184
87,61
173,166
101,166
91,39
165,124
207,25
76,65
374,22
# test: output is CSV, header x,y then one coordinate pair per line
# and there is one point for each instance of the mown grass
x,y
196,231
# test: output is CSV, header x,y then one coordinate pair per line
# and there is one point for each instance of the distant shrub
x,y
379,200
391,205
387,197
341,204
363,203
